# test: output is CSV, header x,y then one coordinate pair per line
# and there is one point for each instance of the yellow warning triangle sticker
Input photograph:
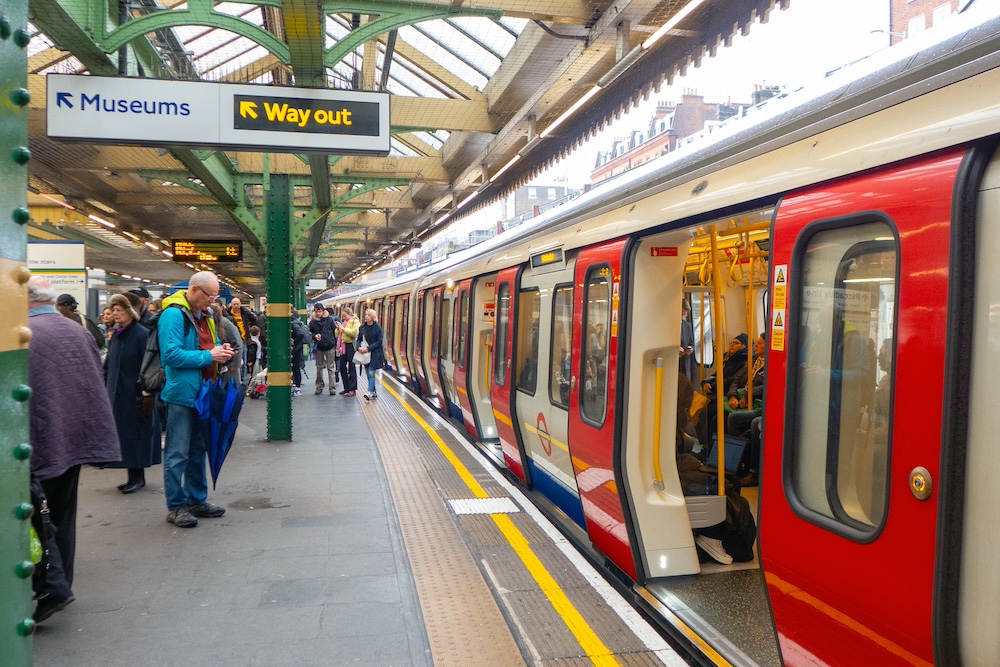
x,y
777,320
781,277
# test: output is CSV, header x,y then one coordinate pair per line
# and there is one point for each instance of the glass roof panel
x,y
241,60
455,65
399,148
429,139
462,46
487,33
417,86
225,51
38,43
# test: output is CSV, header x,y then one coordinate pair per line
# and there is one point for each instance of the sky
x,y
796,46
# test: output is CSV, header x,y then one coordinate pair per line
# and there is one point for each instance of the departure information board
x,y
208,251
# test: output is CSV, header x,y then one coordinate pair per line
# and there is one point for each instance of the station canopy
x,y
484,96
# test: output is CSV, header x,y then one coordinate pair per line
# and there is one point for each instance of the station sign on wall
x,y
216,115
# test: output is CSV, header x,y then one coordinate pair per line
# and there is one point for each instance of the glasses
x,y
210,296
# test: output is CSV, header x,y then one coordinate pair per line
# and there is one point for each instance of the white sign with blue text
x,y
216,115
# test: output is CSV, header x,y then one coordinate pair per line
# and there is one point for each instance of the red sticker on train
x,y
663,252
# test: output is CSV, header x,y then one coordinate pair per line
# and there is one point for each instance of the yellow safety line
x,y
596,651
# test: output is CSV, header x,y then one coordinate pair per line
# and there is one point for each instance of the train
x,y
852,224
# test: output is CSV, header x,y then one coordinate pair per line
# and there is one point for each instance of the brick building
x,y
911,17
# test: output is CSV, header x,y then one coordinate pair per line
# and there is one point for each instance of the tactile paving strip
x,y
464,623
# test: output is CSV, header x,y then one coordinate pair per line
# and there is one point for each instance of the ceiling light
x,y
669,25
57,201
468,199
152,246
130,235
102,221
569,112
168,254
505,167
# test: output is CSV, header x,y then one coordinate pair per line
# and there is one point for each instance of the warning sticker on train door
x,y
779,291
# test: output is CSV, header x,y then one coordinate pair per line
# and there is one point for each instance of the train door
x,y
853,419
392,333
542,370
501,396
403,341
463,376
592,399
446,353
482,312
432,343
419,351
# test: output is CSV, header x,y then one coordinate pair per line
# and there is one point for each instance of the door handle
x,y
572,382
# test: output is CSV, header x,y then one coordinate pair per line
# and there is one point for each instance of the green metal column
x,y
278,210
16,625
300,294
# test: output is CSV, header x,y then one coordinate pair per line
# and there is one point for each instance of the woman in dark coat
x,y
128,344
371,333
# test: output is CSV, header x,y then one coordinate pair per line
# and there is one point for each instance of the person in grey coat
x,y
71,423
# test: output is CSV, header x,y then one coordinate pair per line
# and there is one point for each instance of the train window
x,y
528,313
843,347
597,318
704,348
463,329
445,349
435,319
420,323
562,344
500,344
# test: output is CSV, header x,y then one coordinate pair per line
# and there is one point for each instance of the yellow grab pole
x,y
657,419
751,336
701,338
720,387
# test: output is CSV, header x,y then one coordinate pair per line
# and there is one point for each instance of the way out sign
x,y
216,115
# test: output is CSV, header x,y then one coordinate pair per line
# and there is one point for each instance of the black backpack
x,y
152,377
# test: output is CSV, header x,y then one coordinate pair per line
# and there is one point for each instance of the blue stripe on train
x,y
557,492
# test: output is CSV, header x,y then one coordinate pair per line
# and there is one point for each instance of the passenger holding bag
x,y
371,346
348,330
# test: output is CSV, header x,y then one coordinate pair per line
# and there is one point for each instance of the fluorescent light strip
x,y
109,225
151,246
505,168
672,23
130,235
569,112
468,199
61,203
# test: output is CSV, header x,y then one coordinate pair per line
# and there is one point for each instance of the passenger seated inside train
x,y
733,361
746,400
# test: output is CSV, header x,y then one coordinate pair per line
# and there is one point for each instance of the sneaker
x,y
319,390
181,518
206,510
296,392
714,549
374,395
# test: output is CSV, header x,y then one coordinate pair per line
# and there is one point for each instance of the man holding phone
x,y
189,353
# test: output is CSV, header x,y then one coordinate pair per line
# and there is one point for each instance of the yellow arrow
x,y
247,109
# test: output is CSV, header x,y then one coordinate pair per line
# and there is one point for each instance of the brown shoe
x,y
349,393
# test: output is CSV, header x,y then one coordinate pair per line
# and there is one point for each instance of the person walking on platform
x,y
70,425
348,330
190,353
370,337
321,327
121,371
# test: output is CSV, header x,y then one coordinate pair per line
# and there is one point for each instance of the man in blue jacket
x,y
190,353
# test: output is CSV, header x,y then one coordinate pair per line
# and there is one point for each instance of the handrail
x,y
489,358
751,335
720,414
657,419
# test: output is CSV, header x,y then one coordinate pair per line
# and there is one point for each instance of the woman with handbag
x,y
348,329
370,334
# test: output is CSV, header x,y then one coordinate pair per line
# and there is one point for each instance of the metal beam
x,y
451,115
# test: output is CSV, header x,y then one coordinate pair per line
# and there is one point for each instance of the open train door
x,y
853,413
501,388
462,356
592,399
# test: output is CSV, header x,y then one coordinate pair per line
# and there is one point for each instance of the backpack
x,y
300,334
152,377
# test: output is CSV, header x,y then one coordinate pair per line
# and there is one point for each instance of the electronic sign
x,y
208,251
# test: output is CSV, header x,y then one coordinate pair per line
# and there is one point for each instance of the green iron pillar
x,y
16,625
278,209
300,294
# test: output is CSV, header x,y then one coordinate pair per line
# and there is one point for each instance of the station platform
x,y
378,536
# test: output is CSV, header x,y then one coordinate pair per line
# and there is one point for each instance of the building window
x,y
916,26
552,194
532,193
841,396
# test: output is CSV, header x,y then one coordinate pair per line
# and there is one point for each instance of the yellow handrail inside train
x,y
720,414
657,419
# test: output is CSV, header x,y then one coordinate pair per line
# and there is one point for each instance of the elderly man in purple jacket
x,y
71,423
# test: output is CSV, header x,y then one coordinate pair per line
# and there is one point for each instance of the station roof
x,y
479,93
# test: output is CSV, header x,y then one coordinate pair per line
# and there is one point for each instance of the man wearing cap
x,y
189,352
71,425
323,331
66,305
146,318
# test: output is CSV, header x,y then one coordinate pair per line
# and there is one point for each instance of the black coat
x,y
139,448
372,333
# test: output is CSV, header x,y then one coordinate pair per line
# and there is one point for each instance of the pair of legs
x,y
297,366
326,360
370,370
347,372
184,457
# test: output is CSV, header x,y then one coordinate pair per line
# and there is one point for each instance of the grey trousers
x,y
326,359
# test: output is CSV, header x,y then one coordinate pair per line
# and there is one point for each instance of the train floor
x,y
376,537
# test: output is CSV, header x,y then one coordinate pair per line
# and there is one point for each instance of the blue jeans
x,y
370,368
184,459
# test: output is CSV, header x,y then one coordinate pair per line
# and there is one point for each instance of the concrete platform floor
x,y
306,568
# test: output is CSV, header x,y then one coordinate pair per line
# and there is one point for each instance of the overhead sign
x,y
63,264
216,115
314,284
198,250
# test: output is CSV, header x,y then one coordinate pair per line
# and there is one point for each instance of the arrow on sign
x,y
64,98
247,109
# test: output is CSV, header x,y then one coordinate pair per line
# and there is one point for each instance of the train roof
x,y
895,100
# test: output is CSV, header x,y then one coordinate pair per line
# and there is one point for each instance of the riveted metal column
x,y
278,208
16,625
300,294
